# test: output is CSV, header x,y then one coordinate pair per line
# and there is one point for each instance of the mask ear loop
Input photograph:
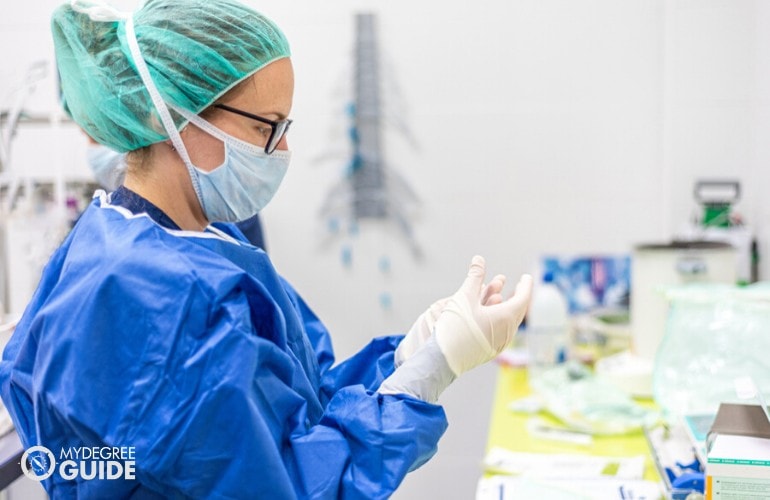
x,y
217,133
227,138
160,106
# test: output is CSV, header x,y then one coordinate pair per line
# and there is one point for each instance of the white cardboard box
x,y
738,463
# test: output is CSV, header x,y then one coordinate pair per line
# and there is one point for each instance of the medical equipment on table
x,y
653,268
746,388
548,327
714,335
678,466
719,222
565,476
588,403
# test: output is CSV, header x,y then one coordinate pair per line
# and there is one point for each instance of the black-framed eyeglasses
x,y
278,128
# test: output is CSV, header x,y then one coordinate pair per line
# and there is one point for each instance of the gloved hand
x,y
474,325
422,329
470,332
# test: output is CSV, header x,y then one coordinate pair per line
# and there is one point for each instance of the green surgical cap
x,y
196,51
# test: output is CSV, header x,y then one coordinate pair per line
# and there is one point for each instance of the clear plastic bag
x,y
714,335
590,404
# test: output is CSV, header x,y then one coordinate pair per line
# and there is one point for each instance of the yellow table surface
x,y
508,429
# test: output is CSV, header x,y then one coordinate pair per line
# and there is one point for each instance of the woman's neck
x,y
165,182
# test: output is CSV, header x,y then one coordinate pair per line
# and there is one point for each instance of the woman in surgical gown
x,y
157,326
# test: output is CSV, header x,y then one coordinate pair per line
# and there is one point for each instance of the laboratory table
x,y
508,429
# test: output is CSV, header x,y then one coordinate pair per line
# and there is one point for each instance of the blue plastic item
x,y
689,482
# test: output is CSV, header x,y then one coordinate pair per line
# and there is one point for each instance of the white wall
x,y
760,147
556,126
711,92
539,130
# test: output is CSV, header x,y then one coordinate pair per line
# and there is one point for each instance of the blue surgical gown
x,y
190,348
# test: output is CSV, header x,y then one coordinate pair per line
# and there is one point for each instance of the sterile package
x,y
563,466
514,488
715,334
587,403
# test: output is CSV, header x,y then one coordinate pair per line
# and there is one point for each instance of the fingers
x,y
476,273
494,300
492,292
435,309
518,302
523,291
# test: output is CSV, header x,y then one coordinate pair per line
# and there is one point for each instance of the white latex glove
x,y
469,331
427,371
422,329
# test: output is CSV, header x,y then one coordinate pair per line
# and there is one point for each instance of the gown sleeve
x,y
369,367
193,378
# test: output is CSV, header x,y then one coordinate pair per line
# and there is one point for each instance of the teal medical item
x,y
192,59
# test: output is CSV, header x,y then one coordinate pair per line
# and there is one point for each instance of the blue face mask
x,y
107,165
246,181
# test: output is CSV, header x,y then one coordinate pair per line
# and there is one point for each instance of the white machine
x,y
654,267
716,248
717,222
